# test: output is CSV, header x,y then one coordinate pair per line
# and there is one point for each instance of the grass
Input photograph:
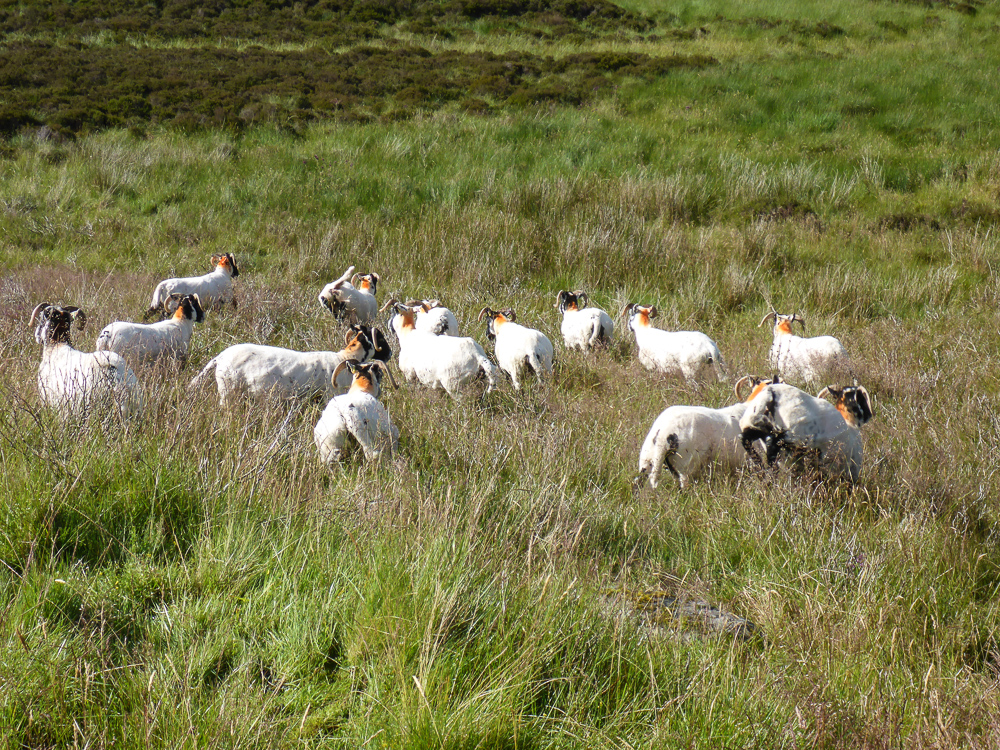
x,y
200,579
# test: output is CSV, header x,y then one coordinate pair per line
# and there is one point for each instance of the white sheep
x,y
214,289
355,304
448,362
809,430
359,413
256,370
434,318
583,327
516,346
687,439
77,384
142,343
690,354
808,360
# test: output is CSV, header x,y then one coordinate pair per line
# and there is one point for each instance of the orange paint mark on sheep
x,y
784,326
363,384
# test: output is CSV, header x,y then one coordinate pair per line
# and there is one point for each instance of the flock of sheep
x,y
776,422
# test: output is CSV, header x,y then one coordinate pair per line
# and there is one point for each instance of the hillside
x,y
199,578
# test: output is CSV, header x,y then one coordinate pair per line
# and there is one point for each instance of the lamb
x,y
583,327
686,439
447,362
143,343
77,384
359,413
214,289
347,302
809,430
516,346
690,354
284,373
804,360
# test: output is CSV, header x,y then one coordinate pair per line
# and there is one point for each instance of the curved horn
x,y
484,311
375,338
432,303
37,310
796,318
559,298
580,294
627,309
825,392
389,303
770,316
508,312
653,312
736,388
338,368
385,368
375,276
354,278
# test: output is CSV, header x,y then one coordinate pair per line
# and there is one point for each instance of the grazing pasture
x,y
199,577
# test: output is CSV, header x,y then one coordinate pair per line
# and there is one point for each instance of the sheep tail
x,y
672,445
490,371
200,378
719,364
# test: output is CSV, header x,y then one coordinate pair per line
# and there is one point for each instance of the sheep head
x,y
853,403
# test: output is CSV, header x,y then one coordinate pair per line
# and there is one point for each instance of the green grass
x,y
200,579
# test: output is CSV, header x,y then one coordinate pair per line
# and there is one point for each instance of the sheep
x,y
434,318
143,343
808,429
359,413
690,354
583,327
77,383
214,289
686,439
805,360
448,362
356,304
284,373
517,346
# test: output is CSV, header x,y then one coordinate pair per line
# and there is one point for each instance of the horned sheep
x,y
448,362
357,413
516,346
583,327
355,304
808,429
809,360
214,289
687,439
258,370
690,354
142,343
77,384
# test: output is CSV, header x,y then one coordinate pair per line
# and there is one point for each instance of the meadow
x,y
200,579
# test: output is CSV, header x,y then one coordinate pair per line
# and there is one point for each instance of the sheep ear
x,y
78,316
